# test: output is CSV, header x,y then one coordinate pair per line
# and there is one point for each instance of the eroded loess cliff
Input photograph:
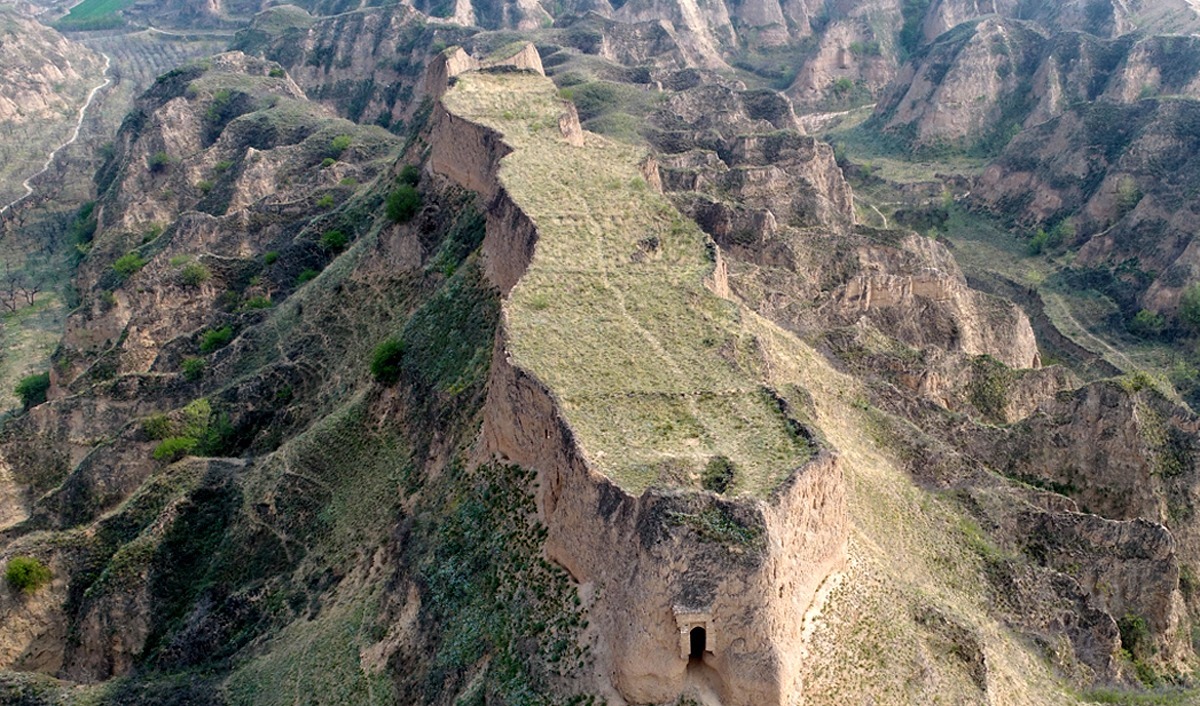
x,y
1121,176
976,86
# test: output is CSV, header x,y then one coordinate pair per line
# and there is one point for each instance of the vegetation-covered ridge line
x,y
656,375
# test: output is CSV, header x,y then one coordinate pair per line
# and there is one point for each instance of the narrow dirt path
x,y
1106,351
28,183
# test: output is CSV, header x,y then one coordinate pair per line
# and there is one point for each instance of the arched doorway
x,y
699,643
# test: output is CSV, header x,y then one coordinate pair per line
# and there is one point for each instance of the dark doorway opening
x,y
699,643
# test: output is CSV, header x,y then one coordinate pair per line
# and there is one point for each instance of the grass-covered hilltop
x,y
651,353
657,376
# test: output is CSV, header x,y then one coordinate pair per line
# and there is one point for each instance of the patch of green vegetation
x,y
257,302
718,474
31,390
306,275
26,574
385,361
323,655
193,368
448,341
716,523
1147,324
128,264
159,161
173,448
493,594
911,32
194,274
94,15
609,108
340,144
158,426
215,338
1128,697
334,241
403,203
270,257
83,226
464,238
1189,308
410,175
988,388
192,430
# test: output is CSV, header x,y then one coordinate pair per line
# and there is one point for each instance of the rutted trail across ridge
x,y
28,183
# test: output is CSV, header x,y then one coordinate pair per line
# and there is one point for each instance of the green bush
x,y
385,361
270,257
223,166
159,161
31,390
257,302
1037,244
403,203
307,275
411,175
1147,324
128,264
334,240
193,368
194,274
340,144
325,201
174,448
276,73
718,474
328,162
26,574
842,86
215,338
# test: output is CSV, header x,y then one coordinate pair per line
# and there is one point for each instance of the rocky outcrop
x,y
853,62
893,284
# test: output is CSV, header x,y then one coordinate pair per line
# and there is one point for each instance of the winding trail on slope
x,y
74,136
1102,346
